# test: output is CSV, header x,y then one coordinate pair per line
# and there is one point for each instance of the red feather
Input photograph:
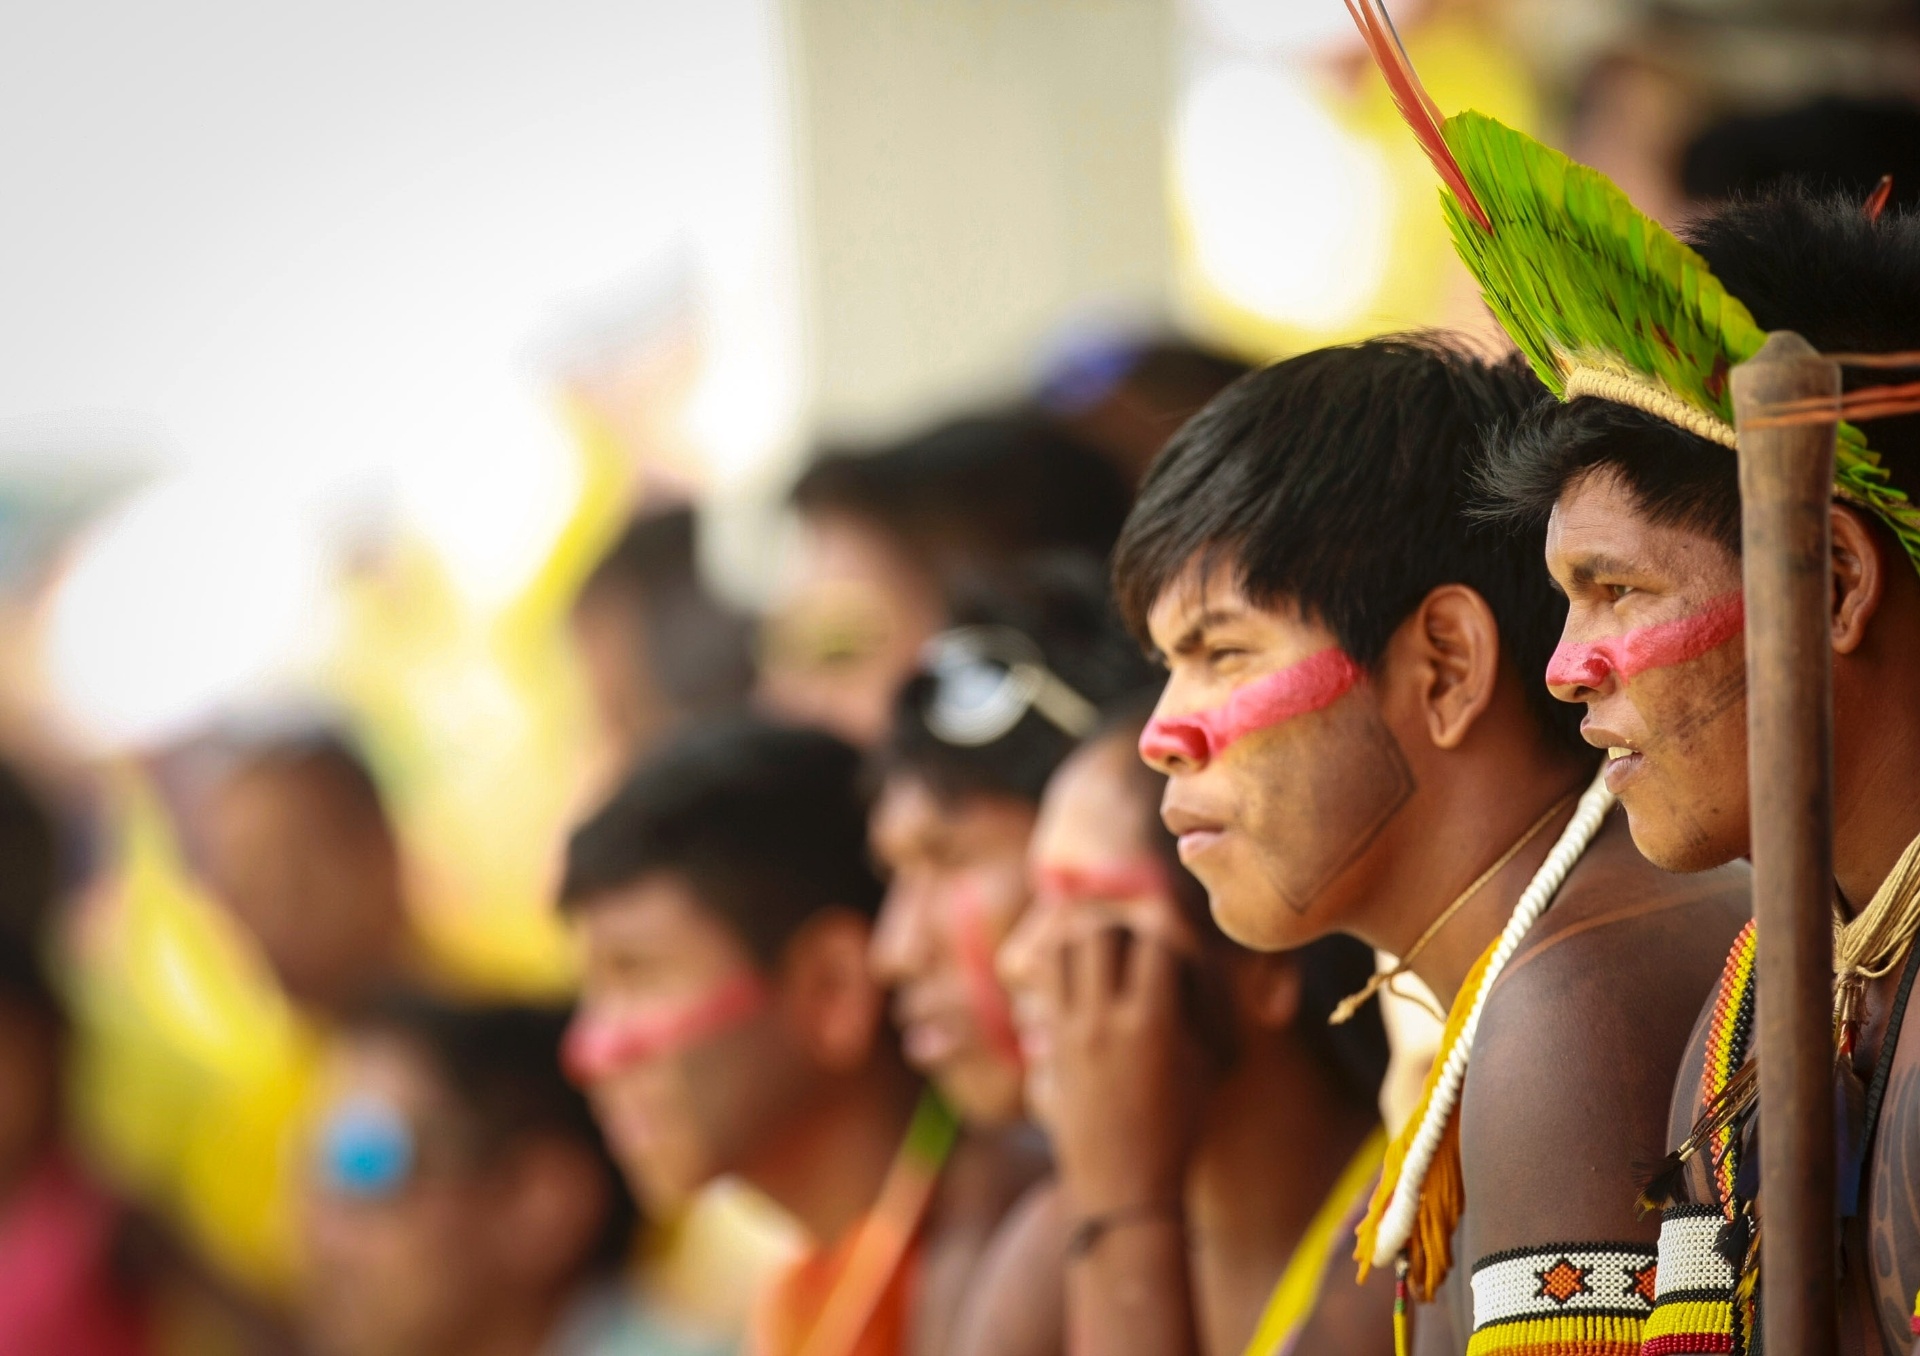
x,y
1411,98
1877,200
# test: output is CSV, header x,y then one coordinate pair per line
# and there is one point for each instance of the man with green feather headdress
x,y
1635,477
1644,537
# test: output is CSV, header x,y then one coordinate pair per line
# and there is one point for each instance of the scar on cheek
x,y
596,1047
1659,646
974,949
1299,689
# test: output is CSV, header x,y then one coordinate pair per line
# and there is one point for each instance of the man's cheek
x,y
1694,710
983,909
1319,791
1689,809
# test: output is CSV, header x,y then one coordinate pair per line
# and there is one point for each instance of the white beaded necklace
x,y
1396,1222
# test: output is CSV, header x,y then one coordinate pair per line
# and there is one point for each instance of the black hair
x,y
1353,1055
1835,144
1815,265
698,650
1058,602
974,491
767,825
29,884
1341,480
501,1062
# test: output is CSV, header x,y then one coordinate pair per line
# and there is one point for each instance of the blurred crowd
x,y
856,870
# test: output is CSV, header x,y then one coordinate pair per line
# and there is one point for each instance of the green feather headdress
x,y
1602,299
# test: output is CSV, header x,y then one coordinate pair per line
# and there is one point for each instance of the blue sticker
x,y
366,1149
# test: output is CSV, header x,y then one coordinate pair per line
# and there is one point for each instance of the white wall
x,y
972,174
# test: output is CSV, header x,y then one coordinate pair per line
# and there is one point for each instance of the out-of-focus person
x,y
296,844
459,1200
996,704
886,536
998,701
1191,1089
657,646
62,1292
1126,395
724,899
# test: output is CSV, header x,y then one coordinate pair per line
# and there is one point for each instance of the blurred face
x,y
610,643
848,631
1091,868
316,886
1281,772
397,1211
677,1041
957,884
1652,645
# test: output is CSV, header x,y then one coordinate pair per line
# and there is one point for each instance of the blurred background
x,y
399,405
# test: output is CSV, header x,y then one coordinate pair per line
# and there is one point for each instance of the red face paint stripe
x,y
597,1047
1659,646
1299,689
1060,885
975,952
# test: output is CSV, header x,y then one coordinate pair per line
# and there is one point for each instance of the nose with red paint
x,y
1188,742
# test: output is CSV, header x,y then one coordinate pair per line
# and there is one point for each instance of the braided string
x,y
1396,1223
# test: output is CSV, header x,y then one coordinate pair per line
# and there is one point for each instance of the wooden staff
x,y
1786,486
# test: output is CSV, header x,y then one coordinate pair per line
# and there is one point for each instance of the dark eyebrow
x,y
1190,638
1588,568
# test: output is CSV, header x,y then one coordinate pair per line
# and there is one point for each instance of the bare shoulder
x,y
1568,1096
987,1178
1016,1303
1615,897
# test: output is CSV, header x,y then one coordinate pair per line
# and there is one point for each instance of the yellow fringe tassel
x,y
1677,1319
1443,1195
1560,1335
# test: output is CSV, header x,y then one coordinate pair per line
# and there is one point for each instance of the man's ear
x,y
832,1001
1859,577
1266,989
1452,644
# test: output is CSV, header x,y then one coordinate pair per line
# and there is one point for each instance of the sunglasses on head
x,y
985,678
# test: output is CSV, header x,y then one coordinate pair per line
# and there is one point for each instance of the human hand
x,y
1124,1065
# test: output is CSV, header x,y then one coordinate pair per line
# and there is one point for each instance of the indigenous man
x,y
460,1200
729,1024
1357,740
1644,537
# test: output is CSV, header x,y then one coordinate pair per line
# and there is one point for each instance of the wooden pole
x,y
1786,486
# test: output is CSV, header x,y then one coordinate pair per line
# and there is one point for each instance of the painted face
x,y
394,1209
1091,868
847,631
1652,647
678,1041
1281,772
598,1045
957,883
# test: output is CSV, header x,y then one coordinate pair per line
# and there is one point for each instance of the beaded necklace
x,y
1729,1034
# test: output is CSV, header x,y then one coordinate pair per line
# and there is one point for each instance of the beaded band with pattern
x,y
1588,1297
